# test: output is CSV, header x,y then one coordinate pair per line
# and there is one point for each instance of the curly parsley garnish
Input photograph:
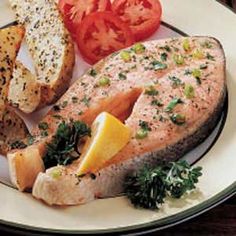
x,y
63,149
149,187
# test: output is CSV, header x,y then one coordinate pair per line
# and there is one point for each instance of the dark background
x,y
220,221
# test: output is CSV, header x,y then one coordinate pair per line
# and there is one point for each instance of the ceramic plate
x,y
217,154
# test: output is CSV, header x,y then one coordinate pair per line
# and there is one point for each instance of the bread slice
x,y
12,127
24,90
52,51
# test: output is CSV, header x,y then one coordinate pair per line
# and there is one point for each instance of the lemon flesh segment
x,y
109,136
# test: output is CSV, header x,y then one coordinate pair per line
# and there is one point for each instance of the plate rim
x,y
149,227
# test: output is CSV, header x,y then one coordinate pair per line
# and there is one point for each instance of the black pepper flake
x,y
56,108
93,176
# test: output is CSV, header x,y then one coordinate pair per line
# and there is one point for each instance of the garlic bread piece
x,y
24,90
12,128
50,45
10,41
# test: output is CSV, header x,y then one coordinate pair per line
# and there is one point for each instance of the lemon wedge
x,y
109,136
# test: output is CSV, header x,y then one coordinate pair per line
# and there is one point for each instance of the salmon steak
x,y
175,88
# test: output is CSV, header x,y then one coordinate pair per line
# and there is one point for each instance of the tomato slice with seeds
x,y
102,33
74,11
143,16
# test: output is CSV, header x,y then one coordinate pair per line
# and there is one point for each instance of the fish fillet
x,y
140,91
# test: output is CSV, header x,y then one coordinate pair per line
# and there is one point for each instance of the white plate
x,y
217,153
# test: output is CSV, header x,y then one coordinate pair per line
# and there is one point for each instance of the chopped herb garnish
x,y
149,187
166,47
164,56
64,104
151,91
198,54
144,125
122,76
44,133
139,48
18,145
157,65
197,75
206,44
86,100
63,149
30,139
189,91
173,103
43,126
178,119
92,72
175,81
104,81
58,117
210,57
187,72
178,59
156,102
125,56
74,99
143,131
186,45
203,66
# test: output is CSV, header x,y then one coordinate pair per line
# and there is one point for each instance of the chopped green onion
x,y
104,81
178,59
196,73
186,45
139,48
172,104
157,65
56,173
141,134
189,91
198,54
125,55
178,119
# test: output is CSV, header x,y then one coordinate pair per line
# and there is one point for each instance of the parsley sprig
x,y
149,187
63,149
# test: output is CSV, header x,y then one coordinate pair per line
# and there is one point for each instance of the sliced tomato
x,y
74,11
143,16
102,33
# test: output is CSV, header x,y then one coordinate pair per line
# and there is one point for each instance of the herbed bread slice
x,y
12,127
50,46
24,90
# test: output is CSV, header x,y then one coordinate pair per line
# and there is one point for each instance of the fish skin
x,y
165,141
